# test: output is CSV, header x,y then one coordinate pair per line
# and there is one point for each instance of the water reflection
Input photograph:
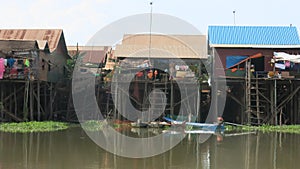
x,y
72,149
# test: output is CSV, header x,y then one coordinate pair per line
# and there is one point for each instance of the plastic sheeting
x,y
232,60
282,56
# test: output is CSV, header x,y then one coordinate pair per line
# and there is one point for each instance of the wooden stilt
x,y
16,101
292,108
50,102
69,106
11,98
172,100
41,108
25,103
45,98
38,101
1,102
31,100
272,102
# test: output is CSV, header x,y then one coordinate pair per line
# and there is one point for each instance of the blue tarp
x,y
232,60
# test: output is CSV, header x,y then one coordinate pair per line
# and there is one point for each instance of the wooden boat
x,y
156,124
201,126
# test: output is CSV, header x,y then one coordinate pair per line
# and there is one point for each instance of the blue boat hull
x,y
202,126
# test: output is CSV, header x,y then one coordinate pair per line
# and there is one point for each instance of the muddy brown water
x,y
73,149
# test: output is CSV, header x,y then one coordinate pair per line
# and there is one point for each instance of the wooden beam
x,y
258,55
12,94
11,115
236,99
41,107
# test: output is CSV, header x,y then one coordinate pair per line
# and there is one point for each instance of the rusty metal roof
x,y
52,36
89,54
17,45
162,46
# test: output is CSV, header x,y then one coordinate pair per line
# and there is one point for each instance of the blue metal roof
x,y
253,35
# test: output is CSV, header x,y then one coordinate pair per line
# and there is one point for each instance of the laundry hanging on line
x,y
2,68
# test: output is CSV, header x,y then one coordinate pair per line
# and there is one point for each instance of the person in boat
x,y
220,120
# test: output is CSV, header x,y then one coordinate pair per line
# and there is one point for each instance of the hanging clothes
x,y
26,63
13,73
287,64
5,62
280,66
2,68
10,62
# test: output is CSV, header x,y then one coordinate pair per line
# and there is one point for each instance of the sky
x,y
81,19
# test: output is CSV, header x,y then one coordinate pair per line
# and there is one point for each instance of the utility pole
x,y
233,17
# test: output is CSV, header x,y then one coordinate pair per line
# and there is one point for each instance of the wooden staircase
x,y
256,100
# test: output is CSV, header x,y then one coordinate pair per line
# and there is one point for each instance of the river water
x,y
73,149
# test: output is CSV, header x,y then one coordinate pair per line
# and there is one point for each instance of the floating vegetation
x,y
266,128
33,126
283,129
93,125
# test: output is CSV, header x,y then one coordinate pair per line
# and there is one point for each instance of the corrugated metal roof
x,y
17,45
90,54
162,46
52,36
253,36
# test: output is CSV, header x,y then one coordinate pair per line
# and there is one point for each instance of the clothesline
x,y
14,67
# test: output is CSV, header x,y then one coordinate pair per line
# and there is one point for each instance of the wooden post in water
x,y
275,151
247,151
257,150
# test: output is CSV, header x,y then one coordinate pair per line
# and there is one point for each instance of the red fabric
x,y
139,74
